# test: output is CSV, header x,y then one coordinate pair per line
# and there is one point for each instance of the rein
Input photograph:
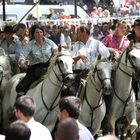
x,y
52,107
98,104
130,75
124,102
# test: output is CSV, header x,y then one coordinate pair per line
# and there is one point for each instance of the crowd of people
x,y
30,50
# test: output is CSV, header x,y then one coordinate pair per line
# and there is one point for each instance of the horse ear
x,y
59,48
131,44
93,66
2,52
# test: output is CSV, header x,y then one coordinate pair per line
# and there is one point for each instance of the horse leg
x,y
111,123
133,123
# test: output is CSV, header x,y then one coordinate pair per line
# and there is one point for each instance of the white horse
x,y
5,67
5,74
123,101
93,106
46,94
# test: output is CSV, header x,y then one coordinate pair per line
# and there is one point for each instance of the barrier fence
x,y
73,21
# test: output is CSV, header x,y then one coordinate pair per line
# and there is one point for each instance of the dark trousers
x,y
34,72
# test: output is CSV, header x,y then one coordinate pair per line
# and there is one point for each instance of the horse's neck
x,y
123,78
93,90
53,79
50,89
94,80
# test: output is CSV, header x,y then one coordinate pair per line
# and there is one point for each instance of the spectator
x,y
100,12
94,13
12,47
97,34
90,27
106,15
20,30
117,41
67,130
66,39
105,29
52,15
70,107
54,35
24,40
24,110
18,130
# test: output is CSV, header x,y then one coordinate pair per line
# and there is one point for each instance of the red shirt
x,y
111,41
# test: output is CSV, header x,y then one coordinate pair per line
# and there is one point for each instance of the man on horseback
x,y
90,48
35,58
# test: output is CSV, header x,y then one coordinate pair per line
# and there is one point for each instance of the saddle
x,y
34,83
82,89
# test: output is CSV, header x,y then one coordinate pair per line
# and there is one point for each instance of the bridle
x,y
62,74
127,58
94,82
52,106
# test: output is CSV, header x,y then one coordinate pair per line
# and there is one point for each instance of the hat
x,y
8,29
136,23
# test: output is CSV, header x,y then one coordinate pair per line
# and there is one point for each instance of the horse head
x,y
133,54
5,67
103,69
63,67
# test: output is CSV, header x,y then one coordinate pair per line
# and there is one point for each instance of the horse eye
x,y
60,62
133,57
99,71
1,72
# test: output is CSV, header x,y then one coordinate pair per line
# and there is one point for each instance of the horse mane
x,y
52,63
61,52
2,52
96,62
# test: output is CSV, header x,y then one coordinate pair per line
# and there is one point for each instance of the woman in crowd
x,y
117,41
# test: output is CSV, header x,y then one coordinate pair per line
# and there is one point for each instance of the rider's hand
x,y
23,64
83,58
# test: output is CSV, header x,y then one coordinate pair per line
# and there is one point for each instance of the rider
x,y
88,47
35,58
135,37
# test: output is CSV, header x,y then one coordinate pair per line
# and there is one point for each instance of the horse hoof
x,y
133,128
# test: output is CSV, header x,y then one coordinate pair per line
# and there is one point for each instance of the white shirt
x,y
91,49
38,131
84,133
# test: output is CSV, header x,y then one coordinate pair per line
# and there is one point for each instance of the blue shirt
x,y
12,50
36,53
